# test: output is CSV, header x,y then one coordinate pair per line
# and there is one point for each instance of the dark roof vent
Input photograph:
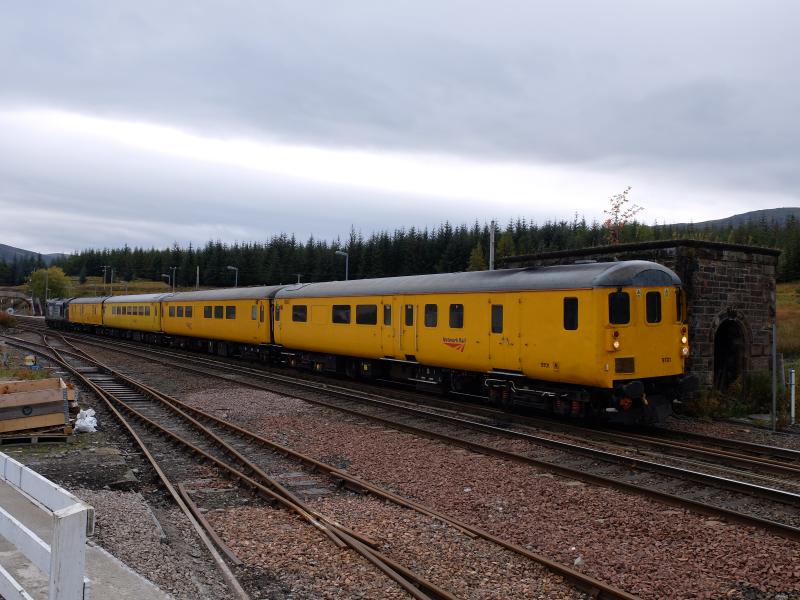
x,y
585,261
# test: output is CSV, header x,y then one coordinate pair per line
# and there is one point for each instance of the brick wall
x,y
725,284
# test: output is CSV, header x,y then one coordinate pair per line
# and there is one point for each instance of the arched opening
x,y
729,355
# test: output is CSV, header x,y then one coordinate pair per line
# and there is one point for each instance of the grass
x,y
19,373
788,319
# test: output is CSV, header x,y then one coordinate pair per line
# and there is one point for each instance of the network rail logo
x,y
455,343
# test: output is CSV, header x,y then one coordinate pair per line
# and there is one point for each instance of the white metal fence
x,y
64,560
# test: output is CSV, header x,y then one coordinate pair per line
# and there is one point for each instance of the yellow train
x,y
602,340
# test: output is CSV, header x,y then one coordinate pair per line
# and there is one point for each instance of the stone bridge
x,y
14,293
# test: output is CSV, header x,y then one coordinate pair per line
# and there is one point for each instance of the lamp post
x,y
346,263
169,279
105,274
236,279
174,273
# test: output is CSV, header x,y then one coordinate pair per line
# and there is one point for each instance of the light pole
x,y
174,273
105,273
169,279
299,275
236,280
346,263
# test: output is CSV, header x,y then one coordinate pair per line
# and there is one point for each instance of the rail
x,y
64,560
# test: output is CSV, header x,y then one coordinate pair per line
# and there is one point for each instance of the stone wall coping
x,y
639,246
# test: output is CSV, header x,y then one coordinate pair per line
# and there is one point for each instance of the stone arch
x,y
731,341
17,295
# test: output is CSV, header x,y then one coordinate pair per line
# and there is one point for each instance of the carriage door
x,y
388,314
504,332
259,313
407,325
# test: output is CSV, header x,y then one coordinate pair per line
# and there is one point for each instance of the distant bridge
x,y
6,292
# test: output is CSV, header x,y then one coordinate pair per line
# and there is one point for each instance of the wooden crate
x,y
33,404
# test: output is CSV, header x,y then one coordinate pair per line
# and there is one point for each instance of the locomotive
x,y
604,341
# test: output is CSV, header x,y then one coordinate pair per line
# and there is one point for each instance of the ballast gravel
x,y
641,546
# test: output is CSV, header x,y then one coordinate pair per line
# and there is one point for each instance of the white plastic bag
x,y
86,422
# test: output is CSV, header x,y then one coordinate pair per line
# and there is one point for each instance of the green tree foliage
x,y
51,282
404,251
477,260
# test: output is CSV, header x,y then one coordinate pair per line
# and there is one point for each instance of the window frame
x,y
171,311
208,312
219,311
366,314
612,319
387,314
341,314
300,313
658,307
409,315
431,315
456,320
571,307
230,312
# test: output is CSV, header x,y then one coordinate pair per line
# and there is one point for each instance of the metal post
x,y
774,379
46,286
346,263
491,247
792,392
236,270
197,279
111,290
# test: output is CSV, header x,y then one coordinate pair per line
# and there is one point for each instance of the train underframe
x,y
630,402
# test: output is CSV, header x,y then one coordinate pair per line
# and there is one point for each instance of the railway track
x,y
152,417
770,508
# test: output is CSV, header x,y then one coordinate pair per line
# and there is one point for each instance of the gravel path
x,y
641,546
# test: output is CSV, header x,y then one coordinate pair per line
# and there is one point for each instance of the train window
x,y
653,302
366,314
230,312
207,312
218,312
188,312
180,311
619,308
261,313
300,313
431,315
497,318
570,313
171,311
409,315
387,314
146,311
341,313
456,316
254,312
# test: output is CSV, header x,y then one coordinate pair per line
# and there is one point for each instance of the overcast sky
x,y
150,123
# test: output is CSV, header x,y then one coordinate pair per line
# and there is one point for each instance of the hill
x,y
8,253
770,215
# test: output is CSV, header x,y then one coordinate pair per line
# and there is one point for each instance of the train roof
x,y
137,298
562,277
256,292
88,300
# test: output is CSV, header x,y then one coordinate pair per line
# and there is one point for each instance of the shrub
x,y
7,321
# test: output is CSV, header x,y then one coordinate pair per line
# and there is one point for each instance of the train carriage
x,y
223,319
573,338
86,313
137,316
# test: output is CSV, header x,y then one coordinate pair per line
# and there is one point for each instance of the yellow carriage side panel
x,y
86,311
350,326
235,320
135,316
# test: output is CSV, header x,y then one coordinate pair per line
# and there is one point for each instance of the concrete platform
x,y
111,578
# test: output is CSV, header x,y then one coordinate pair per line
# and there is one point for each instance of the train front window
x,y
619,308
431,315
653,303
